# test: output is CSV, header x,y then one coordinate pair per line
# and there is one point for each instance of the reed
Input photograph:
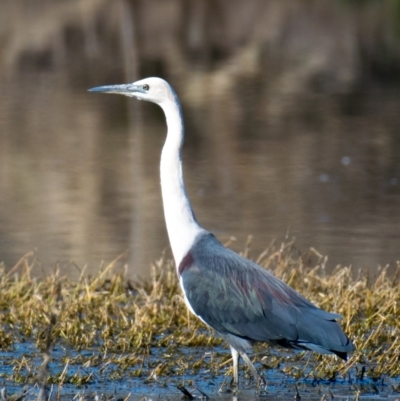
x,y
124,322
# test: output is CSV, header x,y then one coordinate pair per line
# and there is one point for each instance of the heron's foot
x,y
230,387
297,397
261,386
234,386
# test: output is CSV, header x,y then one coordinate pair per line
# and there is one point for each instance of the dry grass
x,y
126,321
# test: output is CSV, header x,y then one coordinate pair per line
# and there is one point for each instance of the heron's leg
x,y
235,358
258,377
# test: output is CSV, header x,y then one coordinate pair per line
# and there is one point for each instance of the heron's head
x,y
154,90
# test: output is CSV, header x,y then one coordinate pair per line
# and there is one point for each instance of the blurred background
x,y
292,113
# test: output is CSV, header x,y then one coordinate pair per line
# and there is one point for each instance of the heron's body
x,y
246,303
242,301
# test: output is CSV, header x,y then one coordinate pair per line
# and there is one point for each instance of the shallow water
x,y
103,377
292,117
72,196
291,130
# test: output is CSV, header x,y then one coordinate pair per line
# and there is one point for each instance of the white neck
x,y
181,222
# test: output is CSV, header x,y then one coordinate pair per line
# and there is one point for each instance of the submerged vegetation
x,y
111,328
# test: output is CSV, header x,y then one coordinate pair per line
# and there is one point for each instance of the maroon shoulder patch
x,y
186,262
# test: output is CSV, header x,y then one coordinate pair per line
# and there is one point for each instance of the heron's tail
x,y
320,333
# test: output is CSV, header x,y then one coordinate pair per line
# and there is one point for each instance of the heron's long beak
x,y
124,89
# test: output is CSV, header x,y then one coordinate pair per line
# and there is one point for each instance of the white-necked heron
x,y
239,299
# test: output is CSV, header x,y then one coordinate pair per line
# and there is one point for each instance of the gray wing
x,y
236,296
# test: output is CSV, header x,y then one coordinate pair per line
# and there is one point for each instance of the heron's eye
x,y
146,87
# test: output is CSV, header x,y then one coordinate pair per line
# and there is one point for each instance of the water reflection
x,y
290,129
